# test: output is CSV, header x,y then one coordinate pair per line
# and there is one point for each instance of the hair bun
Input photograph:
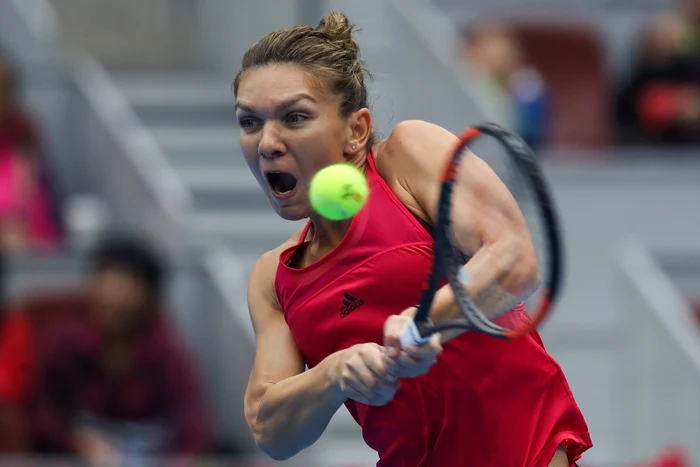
x,y
337,27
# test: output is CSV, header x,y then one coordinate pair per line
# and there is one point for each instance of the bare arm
x,y
286,407
487,223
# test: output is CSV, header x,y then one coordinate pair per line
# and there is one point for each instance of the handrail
x,y
658,373
227,277
143,153
40,19
672,310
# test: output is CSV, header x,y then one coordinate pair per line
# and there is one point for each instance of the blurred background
x,y
123,195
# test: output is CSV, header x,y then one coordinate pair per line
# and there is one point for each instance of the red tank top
x,y
456,414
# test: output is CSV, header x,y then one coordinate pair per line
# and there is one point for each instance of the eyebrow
x,y
285,104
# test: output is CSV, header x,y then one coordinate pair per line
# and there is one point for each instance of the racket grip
x,y
411,336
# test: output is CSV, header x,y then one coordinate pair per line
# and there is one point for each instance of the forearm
x,y
498,277
293,413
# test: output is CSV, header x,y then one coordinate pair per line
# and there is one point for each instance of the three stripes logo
x,y
350,304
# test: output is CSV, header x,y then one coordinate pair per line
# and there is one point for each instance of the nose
x,y
271,145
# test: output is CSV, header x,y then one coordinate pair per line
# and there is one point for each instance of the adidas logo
x,y
350,304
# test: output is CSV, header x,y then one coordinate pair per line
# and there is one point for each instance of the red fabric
x,y
659,106
20,195
16,359
487,402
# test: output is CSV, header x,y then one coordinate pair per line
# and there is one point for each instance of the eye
x,y
248,123
295,118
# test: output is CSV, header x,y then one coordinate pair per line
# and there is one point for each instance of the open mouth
x,y
282,183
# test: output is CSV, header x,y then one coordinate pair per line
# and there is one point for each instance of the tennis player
x,y
335,297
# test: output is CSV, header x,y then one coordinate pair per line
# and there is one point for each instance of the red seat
x,y
571,59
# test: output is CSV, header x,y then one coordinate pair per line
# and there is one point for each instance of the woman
x,y
336,295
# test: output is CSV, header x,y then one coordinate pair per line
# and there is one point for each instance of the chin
x,y
292,213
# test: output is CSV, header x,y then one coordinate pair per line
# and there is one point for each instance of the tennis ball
x,y
338,191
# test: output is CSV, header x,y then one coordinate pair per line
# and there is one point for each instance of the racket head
x,y
517,166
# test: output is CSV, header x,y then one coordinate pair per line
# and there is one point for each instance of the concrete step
x,y
192,99
252,231
224,189
215,138
225,159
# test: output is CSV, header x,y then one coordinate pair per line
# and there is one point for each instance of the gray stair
x,y
191,117
218,138
223,158
194,99
224,189
248,231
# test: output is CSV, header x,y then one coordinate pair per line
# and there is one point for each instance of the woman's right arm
x,y
286,407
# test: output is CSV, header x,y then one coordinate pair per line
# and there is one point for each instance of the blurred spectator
x,y
660,102
115,383
515,92
26,219
16,370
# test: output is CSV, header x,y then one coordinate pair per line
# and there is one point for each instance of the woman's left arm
x,y
487,223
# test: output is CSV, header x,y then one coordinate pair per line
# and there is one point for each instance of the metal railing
x,y
658,399
131,170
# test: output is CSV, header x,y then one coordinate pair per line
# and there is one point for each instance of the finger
x,y
402,362
387,395
426,351
382,384
356,389
378,362
372,383
359,376
355,394
392,334
378,392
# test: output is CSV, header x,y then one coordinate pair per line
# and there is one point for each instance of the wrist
x,y
334,371
444,307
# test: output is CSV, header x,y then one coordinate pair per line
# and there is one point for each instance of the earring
x,y
353,147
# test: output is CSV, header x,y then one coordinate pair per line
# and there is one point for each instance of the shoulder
x,y
411,159
261,283
414,152
413,141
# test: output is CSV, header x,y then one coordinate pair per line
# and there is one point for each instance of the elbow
x,y
274,450
269,443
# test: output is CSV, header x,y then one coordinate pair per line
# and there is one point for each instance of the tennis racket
x,y
517,166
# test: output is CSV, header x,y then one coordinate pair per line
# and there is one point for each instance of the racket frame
x,y
446,265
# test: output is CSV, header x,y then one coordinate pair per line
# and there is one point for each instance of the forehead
x,y
272,85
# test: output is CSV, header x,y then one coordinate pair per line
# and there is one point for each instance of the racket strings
x,y
523,180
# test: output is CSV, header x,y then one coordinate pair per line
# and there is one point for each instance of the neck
x,y
326,233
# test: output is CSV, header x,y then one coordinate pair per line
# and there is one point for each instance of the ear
x,y
359,130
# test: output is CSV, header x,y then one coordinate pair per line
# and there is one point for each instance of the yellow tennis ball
x,y
338,191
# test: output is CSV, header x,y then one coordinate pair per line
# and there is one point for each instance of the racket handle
x,y
411,336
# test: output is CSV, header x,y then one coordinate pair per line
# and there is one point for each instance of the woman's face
x,y
290,129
